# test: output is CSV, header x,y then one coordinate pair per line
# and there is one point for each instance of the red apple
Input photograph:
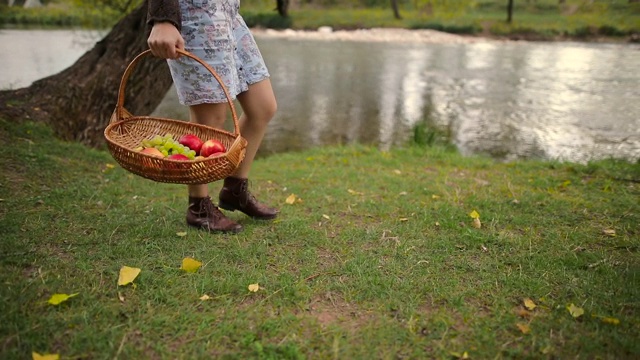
x,y
191,141
211,147
180,157
152,151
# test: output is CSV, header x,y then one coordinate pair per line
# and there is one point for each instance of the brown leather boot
x,y
202,214
235,195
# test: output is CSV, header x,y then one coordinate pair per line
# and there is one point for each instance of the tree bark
x,y
78,102
396,11
283,7
509,11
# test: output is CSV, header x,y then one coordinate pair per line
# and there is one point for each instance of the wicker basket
x,y
125,133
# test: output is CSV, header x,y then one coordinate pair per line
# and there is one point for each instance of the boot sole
x,y
216,231
231,208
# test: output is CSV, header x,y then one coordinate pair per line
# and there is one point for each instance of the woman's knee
x,y
259,103
263,113
208,114
270,109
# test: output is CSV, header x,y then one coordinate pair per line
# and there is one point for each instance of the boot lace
x,y
207,207
244,189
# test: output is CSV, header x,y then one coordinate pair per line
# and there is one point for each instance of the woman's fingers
x,y
164,39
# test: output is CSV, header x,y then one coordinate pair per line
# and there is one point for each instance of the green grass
x,y
378,259
59,15
545,23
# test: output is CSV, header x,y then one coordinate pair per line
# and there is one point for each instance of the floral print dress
x,y
214,31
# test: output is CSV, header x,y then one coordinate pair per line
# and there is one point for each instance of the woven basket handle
x,y
120,111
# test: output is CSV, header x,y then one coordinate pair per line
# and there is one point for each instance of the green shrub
x,y
462,29
584,31
426,135
609,30
450,28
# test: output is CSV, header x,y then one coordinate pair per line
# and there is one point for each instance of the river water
x,y
510,100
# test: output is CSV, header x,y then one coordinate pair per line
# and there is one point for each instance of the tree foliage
x,y
443,7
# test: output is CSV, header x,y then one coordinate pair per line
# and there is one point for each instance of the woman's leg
x,y
202,213
258,107
212,115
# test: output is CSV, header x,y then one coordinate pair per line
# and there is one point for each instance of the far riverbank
x,y
616,22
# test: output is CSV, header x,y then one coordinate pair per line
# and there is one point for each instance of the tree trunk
x,y
283,7
78,102
509,11
396,11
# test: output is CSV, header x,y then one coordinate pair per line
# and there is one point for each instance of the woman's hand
x,y
164,40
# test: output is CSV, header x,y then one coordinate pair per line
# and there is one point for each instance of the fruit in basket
x,y
191,141
181,157
167,145
152,151
211,147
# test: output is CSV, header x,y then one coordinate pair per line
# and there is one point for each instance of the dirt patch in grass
x,y
326,259
330,309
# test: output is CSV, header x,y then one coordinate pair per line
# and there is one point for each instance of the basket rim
x,y
238,140
135,118
121,113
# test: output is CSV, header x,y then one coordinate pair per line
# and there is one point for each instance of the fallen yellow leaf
x,y
326,216
36,356
607,320
127,275
254,287
205,297
524,328
457,355
56,299
610,320
398,172
476,223
291,199
435,197
190,265
474,215
353,192
609,232
523,313
181,233
109,166
529,304
575,311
